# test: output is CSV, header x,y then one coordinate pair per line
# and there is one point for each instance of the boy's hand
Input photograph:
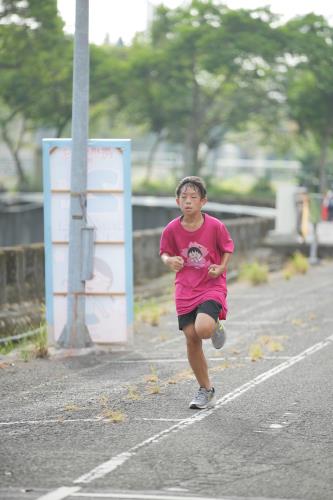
x,y
175,263
215,270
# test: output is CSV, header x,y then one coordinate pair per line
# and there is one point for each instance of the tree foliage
x,y
35,71
309,84
201,71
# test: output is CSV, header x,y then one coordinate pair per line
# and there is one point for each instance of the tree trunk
x,y
151,156
14,151
322,161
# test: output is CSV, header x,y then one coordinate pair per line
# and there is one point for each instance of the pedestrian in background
x,y
197,247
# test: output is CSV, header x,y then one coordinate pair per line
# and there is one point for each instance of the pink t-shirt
x,y
199,249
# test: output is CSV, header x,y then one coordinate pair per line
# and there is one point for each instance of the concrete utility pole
x,y
75,333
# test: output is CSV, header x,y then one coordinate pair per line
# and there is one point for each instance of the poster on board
x,y
109,294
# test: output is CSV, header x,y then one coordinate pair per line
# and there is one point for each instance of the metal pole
x,y
75,333
313,257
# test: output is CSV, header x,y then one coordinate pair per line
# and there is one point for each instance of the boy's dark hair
x,y
194,249
194,182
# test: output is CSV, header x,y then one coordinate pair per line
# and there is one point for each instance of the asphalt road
x,y
269,436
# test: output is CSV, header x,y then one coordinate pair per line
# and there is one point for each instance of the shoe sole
x,y
211,404
220,346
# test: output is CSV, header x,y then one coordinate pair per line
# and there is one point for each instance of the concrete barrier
x,y
247,233
22,269
21,215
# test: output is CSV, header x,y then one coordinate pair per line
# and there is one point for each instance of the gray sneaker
x,y
204,398
219,335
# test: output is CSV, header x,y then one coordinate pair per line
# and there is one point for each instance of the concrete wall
x,y
22,270
21,274
247,233
21,217
21,224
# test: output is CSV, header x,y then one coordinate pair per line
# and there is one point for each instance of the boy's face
x,y
190,201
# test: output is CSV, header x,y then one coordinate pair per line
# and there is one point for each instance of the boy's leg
x,y
205,325
196,356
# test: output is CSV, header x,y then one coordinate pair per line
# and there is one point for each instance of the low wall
x,y
247,233
21,215
22,270
21,288
21,224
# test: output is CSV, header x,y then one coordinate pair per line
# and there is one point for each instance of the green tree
x,y
35,70
203,71
309,85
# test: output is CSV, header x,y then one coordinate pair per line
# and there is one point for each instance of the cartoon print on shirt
x,y
195,255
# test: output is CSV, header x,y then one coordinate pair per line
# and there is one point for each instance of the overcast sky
x,y
123,18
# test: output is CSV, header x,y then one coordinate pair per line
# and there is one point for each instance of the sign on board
x,y
109,294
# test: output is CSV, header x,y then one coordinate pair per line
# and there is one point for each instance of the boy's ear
x,y
203,201
177,201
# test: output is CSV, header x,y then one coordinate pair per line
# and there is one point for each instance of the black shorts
x,y
210,307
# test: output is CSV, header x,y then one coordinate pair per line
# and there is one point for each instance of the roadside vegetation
x,y
150,311
297,264
230,72
232,190
32,347
254,272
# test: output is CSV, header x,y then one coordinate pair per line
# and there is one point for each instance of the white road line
x,y
236,322
52,421
143,496
185,360
115,462
161,419
60,493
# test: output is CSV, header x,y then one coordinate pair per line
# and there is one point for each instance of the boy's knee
x,y
204,332
192,337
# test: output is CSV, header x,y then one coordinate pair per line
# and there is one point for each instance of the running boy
x,y
197,247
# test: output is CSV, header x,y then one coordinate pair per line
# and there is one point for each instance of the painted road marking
x,y
185,360
115,462
60,493
53,421
150,496
161,419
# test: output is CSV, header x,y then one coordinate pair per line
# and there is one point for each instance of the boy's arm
x,y
175,263
215,270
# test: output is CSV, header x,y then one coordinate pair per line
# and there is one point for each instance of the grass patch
x,y
40,343
132,393
297,264
149,312
256,352
72,407
110,414
154,389
32,344
254,272
271,344
114,416
36,346
7,347
153,376
181,376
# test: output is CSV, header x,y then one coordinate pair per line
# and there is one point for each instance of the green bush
x,y
261,187
297,264
254,272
